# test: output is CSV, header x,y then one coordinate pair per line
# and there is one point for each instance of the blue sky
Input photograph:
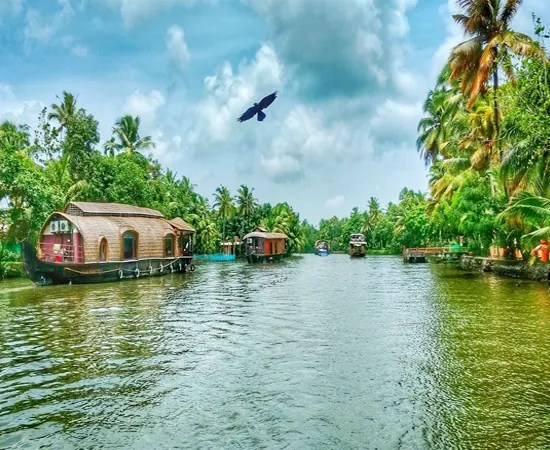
x,y
352,75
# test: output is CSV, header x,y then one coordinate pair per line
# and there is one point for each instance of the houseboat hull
x,y
322,252
254,259
358,252
45,273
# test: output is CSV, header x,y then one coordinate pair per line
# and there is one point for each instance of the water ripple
x,y
311,353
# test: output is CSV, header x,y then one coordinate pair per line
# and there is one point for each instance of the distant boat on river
x,y
98,242
357,246
322,248
262,246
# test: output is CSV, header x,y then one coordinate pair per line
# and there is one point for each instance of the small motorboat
x,y
322,248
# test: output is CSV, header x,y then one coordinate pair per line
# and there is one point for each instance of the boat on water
x,y
357,245
322,248
99,242
263,246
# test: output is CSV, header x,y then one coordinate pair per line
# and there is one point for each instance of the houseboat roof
x,y
109,209
265,235
181,224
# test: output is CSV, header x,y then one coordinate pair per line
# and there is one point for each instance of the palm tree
x,y
64,112
246,203
126,129
490,46
110,147
69,188
440,108
223,203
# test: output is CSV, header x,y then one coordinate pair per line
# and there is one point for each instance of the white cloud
x,y
177,47
229,94
395,121
135,11
340,48
18,111
335,202
144,105
42,29
14,7
75,48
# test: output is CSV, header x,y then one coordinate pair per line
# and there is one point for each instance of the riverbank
x,y
506,268
11,269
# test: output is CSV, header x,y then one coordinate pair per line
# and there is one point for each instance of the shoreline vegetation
x,y
485,139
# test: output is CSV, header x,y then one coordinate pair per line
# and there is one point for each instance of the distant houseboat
x,y
357,245
262,246
322,248
98,242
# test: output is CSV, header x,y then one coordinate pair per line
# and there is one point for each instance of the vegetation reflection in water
x,y
310,353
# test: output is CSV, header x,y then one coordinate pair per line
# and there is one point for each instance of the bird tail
x,y
261,116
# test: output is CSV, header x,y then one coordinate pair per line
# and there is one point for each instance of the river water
x,y
316,353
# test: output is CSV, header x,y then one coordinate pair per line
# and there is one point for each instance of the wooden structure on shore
x,y
421,254
94,242
262,246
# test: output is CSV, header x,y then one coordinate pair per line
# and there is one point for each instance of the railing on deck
x,y
47,253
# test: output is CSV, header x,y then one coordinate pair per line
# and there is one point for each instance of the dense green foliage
x,y
486,144
63,163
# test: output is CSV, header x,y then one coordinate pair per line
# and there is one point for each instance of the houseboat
x,y
357,246
98,242
262,246
322,248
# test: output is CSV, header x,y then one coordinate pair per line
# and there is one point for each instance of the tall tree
x,y
246,203
436,128
64,112
491,45
223,203
126,130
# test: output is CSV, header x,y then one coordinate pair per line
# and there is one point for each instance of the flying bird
x,y
257,108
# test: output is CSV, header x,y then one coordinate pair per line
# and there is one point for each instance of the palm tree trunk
x,y
496,111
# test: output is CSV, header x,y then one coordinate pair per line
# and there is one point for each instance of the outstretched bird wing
x,y
248,114
268,100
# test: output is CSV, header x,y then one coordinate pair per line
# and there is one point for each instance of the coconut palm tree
x,y
110,147
70,189
435,129
491,45
246,203
223,204
64,112
126,129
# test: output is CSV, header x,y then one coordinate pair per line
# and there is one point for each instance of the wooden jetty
x,y
421,254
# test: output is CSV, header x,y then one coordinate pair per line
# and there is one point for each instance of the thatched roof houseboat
x,y
92,242
357,245
263,246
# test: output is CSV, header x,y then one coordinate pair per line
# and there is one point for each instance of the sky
x,y
351,75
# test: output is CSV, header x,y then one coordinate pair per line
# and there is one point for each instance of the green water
x,y
316,353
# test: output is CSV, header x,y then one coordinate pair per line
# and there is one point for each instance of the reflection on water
x,y
311,353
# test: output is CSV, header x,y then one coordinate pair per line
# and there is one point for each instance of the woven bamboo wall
x,y
150,231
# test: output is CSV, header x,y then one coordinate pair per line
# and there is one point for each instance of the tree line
x,y
485,139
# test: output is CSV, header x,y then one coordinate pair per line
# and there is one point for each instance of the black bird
x,y
257,108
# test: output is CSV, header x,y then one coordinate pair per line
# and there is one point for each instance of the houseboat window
x,y
129,241
103,250
169,245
